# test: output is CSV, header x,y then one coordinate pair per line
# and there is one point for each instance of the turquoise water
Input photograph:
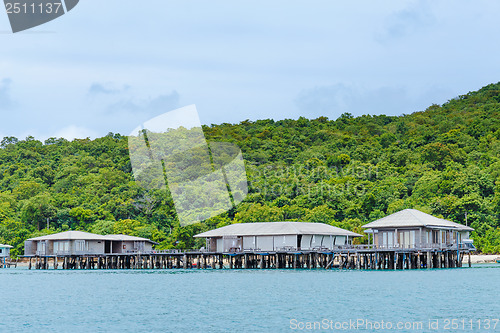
x,y
248,300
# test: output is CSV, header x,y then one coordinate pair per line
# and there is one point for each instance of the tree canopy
x,y
346,172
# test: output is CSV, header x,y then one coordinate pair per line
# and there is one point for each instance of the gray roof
x,y
414,218
277,228
121,237
70,235
5,246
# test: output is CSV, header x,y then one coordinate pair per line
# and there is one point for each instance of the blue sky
x,y
111,65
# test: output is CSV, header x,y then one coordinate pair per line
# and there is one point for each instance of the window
x,y
40,247
61,247
139,245
407,239
390,239
435,236
80,245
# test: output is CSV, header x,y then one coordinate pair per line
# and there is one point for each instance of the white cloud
x,y
159,104
75,132
403,23
106,89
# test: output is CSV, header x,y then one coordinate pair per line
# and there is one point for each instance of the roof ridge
x,y
416,217
294,228
435,217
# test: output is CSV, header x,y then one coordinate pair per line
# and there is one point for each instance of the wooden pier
x,y
7,263
348,258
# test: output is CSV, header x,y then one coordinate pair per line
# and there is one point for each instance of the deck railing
x,y
423,246
174,251
357,247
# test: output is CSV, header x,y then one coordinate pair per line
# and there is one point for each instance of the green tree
x,y
37,210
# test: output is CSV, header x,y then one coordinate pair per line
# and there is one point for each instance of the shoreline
x,y
481,258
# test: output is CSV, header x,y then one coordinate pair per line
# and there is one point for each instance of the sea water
x,y
319,300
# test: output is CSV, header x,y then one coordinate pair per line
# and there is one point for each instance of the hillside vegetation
x,y
346,172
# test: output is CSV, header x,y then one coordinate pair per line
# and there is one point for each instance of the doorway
x,y
107,246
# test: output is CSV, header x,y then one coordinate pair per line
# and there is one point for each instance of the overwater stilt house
x,y
413,239
78,249
413,229
71,243
66,243
5,251
5,256
276,236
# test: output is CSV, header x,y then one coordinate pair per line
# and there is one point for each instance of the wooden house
x,y
276,236
84,243
130,244
66,243
411,228
4,251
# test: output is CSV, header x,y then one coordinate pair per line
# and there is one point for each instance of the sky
x,y
109,66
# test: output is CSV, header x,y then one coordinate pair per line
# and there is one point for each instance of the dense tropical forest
x,y
346,172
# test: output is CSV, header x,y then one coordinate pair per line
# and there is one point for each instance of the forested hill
x,y
346,172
